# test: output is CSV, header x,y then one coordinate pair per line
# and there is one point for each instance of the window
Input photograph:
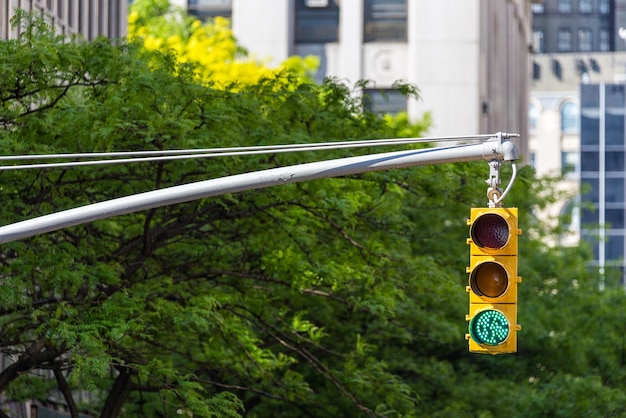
x,y
569,162
585,42
614,187
564,40
569,118
570,215
388,101
536,7
603,40
536,71
385,21
585,6
207,9
603,6
317,21
538,42
533,116
565,6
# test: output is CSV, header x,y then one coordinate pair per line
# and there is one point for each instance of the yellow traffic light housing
x,y
493,280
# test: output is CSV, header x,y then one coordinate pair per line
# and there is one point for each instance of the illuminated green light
x,y
489,327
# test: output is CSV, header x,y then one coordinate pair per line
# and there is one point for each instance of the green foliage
x,y
335,297
209,48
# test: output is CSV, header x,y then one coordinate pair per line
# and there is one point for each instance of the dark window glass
x,y
591,236
585,40
384,101
614,116
614,249
590,188
614,126
589,130
565,6
589,161
569,162
615,217
604,44
589,217
536,71
614,161
208,9
614,189
570,115
590,95
317,21
585,6
614,96
385,21
603,6
564,40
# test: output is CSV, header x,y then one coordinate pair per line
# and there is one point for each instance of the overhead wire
x,y
179,154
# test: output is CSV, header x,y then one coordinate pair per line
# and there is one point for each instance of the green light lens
x,y
489,327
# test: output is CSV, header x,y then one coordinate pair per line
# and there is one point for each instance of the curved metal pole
x,y
488,150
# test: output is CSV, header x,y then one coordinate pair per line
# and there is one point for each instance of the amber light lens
x,y
490,231
489,279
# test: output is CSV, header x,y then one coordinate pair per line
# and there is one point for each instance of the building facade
x,y
576,117
91,18
575,26
603,175
471,70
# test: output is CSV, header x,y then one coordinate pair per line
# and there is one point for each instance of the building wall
x,y
471,65
505,66
555,145
603,152
552,19
91,18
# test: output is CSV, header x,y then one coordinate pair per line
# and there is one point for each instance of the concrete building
x,y
469,58
579,54
91,18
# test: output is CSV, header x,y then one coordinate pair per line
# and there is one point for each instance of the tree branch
x,y
67,393
119,393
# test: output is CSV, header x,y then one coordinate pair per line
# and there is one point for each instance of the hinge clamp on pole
x,y
494,192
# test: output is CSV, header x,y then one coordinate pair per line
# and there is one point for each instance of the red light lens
x,y
490,231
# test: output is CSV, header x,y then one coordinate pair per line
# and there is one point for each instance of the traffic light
x,y
493,280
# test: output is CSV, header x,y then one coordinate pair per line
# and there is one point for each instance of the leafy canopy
x,y
336,297
210,47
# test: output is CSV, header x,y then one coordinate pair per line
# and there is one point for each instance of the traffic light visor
x,y
489,279
489,327
490,231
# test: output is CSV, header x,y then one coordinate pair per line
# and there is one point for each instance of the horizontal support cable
x,y
170,155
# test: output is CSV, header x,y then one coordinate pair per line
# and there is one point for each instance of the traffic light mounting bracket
x,y
495,195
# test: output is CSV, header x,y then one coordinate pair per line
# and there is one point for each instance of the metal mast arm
x,y
493,149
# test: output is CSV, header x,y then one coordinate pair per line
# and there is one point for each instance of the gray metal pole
x,y
494,149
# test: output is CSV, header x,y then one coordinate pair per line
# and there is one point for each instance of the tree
x,y
210,47
174,302
336,297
